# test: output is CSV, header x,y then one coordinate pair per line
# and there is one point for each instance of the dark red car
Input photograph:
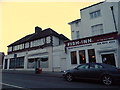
x,y
105,73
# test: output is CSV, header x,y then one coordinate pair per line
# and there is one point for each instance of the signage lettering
x,y
94,39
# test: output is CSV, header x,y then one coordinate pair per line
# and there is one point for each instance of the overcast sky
x,y
18,19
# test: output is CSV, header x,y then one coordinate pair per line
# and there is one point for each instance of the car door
x,y
81,71
95,70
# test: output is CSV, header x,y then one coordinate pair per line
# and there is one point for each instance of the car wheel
x,y
107,80
69,77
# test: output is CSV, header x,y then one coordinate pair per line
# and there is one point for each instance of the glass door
x,y
108,59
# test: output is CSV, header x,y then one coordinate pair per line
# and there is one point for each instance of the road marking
x,y
14,86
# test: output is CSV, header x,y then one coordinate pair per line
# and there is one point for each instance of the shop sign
x,y
94,39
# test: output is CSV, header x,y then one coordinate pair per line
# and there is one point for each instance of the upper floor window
x,y
21,46
10,49
37,42
97,29
77,34
72,31
27,45
77,24
48,39
15,48
95,14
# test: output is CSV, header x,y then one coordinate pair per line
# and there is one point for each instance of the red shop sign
x,y
94,39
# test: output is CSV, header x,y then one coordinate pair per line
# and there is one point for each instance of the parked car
x,y
105,73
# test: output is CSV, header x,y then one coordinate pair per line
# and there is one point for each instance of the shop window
x,y
44,59
17,63
91,55
73,57
12,63
31,63
44,62
82,56
108,59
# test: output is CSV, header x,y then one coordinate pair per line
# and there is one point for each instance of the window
x,y
77,34
73,57
37,42
95,66
109,59
17,63
44,62
83,66
72,31
10,49
77,24
15,48
97,29
27,45
91,55
95,14
21,46
48,39
82,56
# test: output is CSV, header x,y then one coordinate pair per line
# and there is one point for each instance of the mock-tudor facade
x,y
96,36
42,49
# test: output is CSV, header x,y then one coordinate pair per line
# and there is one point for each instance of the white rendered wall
x,y
55,41
99,49
106,19
59,58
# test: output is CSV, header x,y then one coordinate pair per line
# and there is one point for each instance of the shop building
x,y
96,36
42,49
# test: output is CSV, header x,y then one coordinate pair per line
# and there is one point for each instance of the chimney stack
x,y
38,29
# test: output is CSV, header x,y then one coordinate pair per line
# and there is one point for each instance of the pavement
x,y
32,72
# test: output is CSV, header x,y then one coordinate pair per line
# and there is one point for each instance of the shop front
x,y
101,49
41,62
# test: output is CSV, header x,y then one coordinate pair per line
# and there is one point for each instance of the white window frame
x,y
77,35
27,45
95,14
97,29
48,39
10,49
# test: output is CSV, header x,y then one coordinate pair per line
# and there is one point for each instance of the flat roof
x,y
78,20
91,5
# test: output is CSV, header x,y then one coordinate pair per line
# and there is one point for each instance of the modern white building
x,y
42,49
96,36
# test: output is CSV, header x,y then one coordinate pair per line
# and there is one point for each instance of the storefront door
x,y
108,59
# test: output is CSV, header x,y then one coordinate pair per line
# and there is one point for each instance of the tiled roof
x,y
35,36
